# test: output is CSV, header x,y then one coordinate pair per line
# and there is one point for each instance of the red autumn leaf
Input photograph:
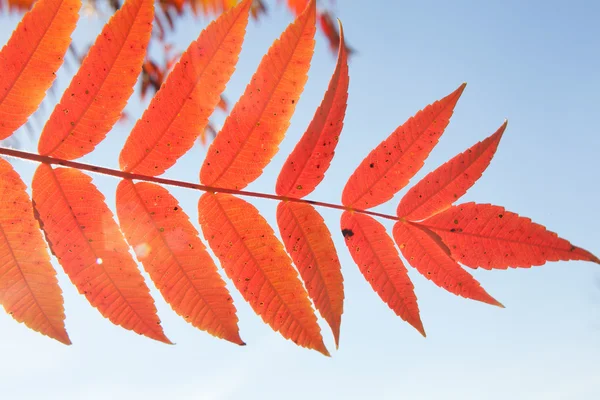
x,y
30,59
374,252
487,236
308,241
297,6
29,289
257,124
442,187
305,167
87,242
260,269
331,33
179,111
208,7
389,167
257,9
167,244
428,255
99,91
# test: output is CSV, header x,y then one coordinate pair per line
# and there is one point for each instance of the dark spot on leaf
x,y
347,233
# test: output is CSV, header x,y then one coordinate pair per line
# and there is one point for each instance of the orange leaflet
x,y
179,111
377,258
87,242
168,246
252,132
308,241
29,289
389,167
425,251
30,59
442,187
306,166
260,269
93,102
487,236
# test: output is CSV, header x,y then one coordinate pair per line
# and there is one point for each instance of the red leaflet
x,y
389,167
306,166
29,289
424,250
487,236
442,187
179,111
308,241
252,132
93,102
87,242
168,246
30,59
255,261
377,258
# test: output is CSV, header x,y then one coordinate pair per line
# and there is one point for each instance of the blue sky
x,y
535,63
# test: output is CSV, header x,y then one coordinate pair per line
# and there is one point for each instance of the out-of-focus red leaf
x,y
331,33
257,9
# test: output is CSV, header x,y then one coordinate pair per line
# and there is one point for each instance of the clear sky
x,y
533,62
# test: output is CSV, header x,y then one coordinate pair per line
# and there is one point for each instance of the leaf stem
x,y
171,182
